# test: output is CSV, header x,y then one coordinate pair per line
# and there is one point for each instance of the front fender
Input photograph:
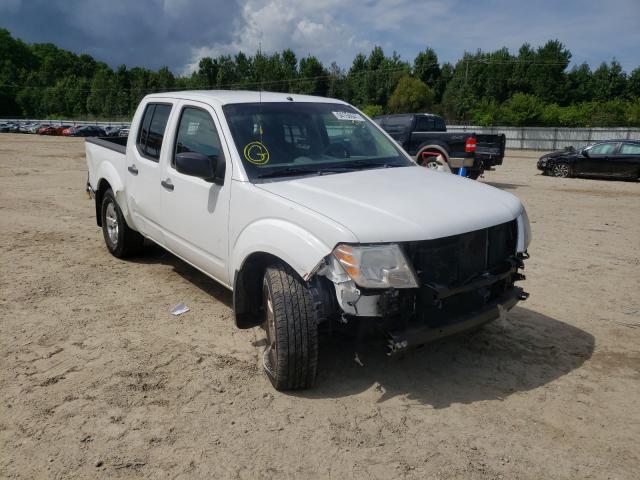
x,y
299,248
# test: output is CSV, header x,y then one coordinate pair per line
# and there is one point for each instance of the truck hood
x,y
400,204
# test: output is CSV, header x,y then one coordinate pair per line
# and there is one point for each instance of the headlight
x,y
376,266
524,231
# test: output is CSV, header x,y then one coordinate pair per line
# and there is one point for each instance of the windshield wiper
x,y
289,172
359,164
322,169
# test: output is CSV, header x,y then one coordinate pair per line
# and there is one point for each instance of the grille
x,y
452,261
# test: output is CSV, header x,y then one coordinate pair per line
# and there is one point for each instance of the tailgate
x,y
491,148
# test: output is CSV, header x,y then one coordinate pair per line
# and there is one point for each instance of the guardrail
x,y
544,138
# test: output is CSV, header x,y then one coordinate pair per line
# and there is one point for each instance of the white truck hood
x,y
400,204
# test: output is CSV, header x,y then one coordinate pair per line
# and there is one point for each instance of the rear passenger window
x,y
425,124
630,149
151,133
440,126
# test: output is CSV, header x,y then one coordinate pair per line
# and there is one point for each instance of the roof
x,y
223,97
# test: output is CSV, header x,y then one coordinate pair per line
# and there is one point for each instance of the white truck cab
x,y
313,216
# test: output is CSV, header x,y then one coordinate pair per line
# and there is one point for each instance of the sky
x,y
177,33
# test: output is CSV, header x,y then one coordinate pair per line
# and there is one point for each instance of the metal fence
x,y
538,138
526,138
65,122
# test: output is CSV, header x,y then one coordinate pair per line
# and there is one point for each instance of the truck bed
x,y
104,153
118,144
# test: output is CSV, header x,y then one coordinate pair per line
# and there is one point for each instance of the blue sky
x,y
178,33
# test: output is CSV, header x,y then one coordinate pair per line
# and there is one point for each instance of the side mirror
x,y
585,153
197,165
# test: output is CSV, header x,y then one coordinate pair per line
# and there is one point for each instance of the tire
x,y
561,170
291,356
121,240
474,174
433,159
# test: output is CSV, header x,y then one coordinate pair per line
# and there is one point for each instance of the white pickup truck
x,y
313,216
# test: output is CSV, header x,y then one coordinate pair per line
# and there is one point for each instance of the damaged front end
x,y
417,292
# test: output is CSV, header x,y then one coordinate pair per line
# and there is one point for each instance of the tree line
x,y
534,87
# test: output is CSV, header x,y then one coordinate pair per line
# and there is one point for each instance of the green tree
x,y
609,81
523,110
427,68
633,84
411,95
373,110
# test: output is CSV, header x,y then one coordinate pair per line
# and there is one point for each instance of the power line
x,y
261,83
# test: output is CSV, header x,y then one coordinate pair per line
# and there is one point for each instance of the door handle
x,y
132,169
167,184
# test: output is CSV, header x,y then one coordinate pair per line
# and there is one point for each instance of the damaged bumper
x,y
414,336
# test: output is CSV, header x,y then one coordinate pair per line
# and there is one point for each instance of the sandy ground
x,y
98,380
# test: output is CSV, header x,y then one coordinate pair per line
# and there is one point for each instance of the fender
x,y
299,248
106,171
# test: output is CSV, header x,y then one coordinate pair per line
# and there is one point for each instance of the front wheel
x,y
291,355
561,170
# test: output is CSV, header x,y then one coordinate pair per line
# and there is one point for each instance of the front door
x,y
195,211
600,160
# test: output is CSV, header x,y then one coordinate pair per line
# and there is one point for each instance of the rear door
x,y
195,212
627,160
143,170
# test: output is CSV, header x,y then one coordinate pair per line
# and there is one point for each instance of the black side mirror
x,y
585,153
197,165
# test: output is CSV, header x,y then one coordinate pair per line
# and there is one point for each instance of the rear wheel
x,y
433,159
291,355
121,241
561,170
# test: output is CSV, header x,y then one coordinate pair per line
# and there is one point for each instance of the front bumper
x,y
414,336
542,164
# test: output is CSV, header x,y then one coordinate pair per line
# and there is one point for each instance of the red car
x,y
42,129
67,132
52,130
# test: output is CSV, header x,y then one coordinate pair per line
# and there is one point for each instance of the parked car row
x,y
64,129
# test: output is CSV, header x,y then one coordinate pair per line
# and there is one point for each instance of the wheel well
x,y
433,147
103,186
247,289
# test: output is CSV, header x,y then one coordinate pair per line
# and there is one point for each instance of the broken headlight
x,y
376,266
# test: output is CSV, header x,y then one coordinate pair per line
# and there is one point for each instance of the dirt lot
x,y
97,379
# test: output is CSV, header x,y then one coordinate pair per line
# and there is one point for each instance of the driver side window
x,y
603,149
196,133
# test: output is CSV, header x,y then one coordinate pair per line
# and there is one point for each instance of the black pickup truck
x,y
424,136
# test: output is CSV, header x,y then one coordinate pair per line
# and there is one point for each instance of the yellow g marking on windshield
x,y
256,153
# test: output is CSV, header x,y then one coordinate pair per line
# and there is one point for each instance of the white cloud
x,y
336,30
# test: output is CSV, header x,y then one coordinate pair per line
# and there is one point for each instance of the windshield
x,y
288,139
